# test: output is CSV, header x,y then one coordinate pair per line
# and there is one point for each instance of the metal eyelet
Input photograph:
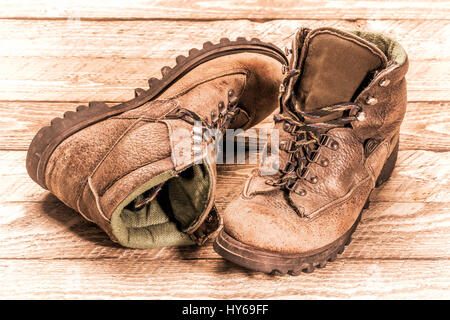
x,y
301,192
371,100
370,145
334,145
384,82
361,116
326,141
286,127
230,93
214,116
221,107
313,180
324,162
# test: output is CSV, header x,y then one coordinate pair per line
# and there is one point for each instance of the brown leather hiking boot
x,y
131,168
342,103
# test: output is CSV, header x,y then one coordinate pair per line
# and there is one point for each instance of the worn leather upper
x,y
96,168
332,67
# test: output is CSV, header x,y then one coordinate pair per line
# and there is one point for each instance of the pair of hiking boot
x,y
143,171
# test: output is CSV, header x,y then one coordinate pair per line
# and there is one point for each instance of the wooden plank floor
x,y
54,56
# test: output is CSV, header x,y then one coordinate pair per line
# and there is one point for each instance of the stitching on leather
x,y
123,135
373,85
367,166
78,206
170,130
101,161
316,213
175,105
97,199
245,193
109,185
227,73
297,59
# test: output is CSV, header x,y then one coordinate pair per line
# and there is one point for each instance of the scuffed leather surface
x,y
266,222
202,98
93,170
384,118
77,156
346,170
345,180
144,143
375,161
117,192
266,217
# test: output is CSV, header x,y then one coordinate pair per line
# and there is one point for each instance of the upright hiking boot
x,y
131,168
341,105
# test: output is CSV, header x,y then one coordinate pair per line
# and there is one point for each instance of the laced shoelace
x,y
218,120
309,133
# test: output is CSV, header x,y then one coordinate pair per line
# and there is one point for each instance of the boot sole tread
x,y
276,263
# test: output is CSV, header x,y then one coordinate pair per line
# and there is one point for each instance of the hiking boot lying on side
x,y
130,168
342,103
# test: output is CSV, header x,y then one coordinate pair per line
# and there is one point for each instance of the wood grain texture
x,y
199,279
422,39
86,79
234,9
105,60
426,125
57,55
50,230
34,224
421,176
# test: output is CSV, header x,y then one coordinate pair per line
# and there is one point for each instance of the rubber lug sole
x,y
49,137
276,263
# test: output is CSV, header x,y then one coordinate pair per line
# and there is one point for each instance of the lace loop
x,y
308,133
219,119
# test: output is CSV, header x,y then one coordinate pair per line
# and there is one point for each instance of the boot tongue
x,y
335,67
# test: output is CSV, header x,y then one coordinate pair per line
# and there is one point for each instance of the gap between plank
x,y
213,259
257,20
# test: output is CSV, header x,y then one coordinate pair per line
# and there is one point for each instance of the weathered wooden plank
x,y
48,54
218,10
50,230
136,279
104,60
166,39
419,176
34,224
114,79
425,127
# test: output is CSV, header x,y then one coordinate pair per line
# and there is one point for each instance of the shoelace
x,y
218,120
309,134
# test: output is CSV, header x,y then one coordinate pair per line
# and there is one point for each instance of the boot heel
x,y
388,167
